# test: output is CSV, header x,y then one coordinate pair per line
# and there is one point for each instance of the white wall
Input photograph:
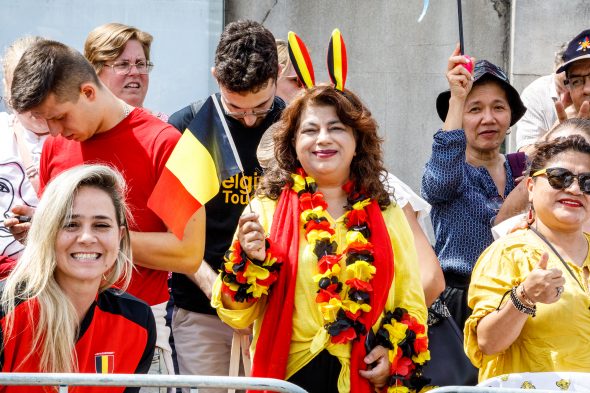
x,y
185,33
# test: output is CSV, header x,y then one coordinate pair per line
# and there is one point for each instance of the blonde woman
x,y
59,310
288,84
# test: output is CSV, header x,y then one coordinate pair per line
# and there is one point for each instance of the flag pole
x,y
460,16
245,186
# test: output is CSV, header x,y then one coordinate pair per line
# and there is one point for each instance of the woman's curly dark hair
x,y
545,151
366,168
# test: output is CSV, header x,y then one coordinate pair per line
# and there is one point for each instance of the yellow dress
x,y
557,339
309,336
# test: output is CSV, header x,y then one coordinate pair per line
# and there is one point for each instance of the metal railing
x,y
194,382
483,389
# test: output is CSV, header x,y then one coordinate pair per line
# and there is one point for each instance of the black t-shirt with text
x,y
224,210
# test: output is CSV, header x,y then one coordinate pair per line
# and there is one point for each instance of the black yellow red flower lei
x,y
407,342
245,279
342,305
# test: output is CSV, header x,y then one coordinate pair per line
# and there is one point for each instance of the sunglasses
x,y
561,178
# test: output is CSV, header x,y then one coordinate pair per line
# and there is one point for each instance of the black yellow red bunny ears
x,y
337,61
300,59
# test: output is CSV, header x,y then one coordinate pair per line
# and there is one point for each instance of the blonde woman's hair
x,y
12,55
283,53
56,329
107,42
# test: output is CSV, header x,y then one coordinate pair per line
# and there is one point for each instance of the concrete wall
x,y
398,65
185,33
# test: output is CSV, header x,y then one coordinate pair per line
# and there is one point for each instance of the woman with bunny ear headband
x,y
333,291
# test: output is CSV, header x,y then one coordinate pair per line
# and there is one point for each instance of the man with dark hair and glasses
x,y
576,64
88,123
246,70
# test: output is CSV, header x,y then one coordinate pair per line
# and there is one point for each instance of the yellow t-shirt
x,y
309,336
556,339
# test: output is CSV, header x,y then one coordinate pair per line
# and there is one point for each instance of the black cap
x,y
577,49
485,70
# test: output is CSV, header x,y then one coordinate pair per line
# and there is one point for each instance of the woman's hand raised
x,y
460,79
251,236
460,83
544,285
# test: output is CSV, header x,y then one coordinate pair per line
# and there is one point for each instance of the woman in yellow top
x,y
347,288
529,290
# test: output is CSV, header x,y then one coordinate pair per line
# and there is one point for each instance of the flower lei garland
x,y
343,309
407,342
245,279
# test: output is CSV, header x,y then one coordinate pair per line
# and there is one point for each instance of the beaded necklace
x,y
343,305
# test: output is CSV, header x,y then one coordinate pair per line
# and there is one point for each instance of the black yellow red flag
x,y
204,156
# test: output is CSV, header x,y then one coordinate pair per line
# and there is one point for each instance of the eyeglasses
x,y
253,112
561,178
124,67
577,82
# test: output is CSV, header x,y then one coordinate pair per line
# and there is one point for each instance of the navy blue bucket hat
x,y
484,70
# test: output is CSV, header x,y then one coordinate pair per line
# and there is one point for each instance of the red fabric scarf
x,y
272,348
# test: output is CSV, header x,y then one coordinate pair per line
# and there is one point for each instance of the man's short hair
x,y
49,67
246,57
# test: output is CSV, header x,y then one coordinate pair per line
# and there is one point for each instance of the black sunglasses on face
x,y
561,178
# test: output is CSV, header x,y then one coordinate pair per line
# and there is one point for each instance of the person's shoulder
x,y
116,302
518,246
181,118
145,124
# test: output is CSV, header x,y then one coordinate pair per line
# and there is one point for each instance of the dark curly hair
x,y
366,168
545,151
246,57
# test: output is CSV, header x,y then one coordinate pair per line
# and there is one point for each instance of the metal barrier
x,y
482,389
193,382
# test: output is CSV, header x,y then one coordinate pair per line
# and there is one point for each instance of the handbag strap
x,y
569,269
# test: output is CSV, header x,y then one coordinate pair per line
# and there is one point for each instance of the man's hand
x,y
19,229
583,113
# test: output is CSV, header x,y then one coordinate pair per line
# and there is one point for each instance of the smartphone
x,y
22,219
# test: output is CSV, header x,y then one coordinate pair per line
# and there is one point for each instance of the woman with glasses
x,y
120,55
467,178
529,289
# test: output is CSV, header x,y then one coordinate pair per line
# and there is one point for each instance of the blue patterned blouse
x,y
464,202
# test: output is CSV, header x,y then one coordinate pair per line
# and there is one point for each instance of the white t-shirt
x,y
539,98
15,187
403,194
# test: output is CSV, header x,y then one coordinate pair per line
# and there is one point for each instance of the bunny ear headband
x,y
337,63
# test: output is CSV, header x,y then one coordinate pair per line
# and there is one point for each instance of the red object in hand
x,y
468,66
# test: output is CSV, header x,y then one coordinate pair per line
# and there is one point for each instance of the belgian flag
x,y
204,156
104,362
